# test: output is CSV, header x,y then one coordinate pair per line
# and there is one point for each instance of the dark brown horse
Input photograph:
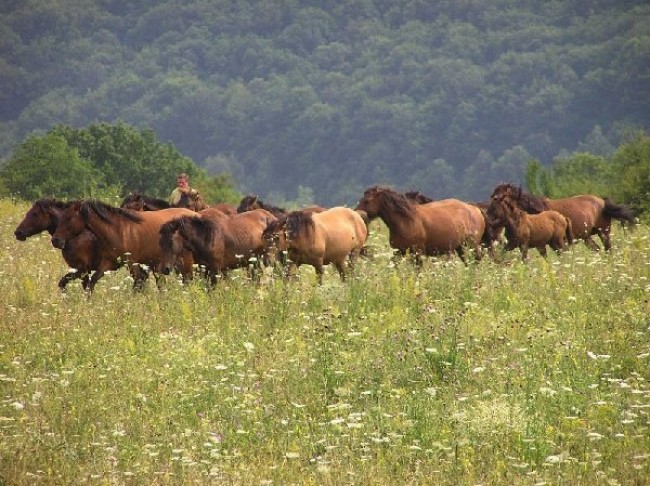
x,y
590,215
217,243
332,236
140,202
526,231
124,235
83,251
194,201
252,201
435,228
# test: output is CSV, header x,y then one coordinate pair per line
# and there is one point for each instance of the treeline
x,y
105,162
295,97
109,161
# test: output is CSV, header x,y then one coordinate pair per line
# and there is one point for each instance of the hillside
x,y
447,97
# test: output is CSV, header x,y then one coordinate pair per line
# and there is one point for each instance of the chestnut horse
x,y
216,242
526,231
590,215
492,232
252,201
125,235
435,228
82,253
331,236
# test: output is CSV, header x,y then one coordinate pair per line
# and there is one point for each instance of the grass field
x,y
488,374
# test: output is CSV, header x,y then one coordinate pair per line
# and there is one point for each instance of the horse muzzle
x,y
58,243
20,236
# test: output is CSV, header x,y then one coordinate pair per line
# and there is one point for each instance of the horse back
x,y
142,239
450,222
242,234
337,231
584,212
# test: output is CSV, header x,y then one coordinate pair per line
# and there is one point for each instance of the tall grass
x,y
492,373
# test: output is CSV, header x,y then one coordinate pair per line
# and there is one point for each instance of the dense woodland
x,y
325,98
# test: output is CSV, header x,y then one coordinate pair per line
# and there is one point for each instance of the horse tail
x,y
620,212
569,231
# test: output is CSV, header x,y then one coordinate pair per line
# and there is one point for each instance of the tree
x,y
102,159
48,167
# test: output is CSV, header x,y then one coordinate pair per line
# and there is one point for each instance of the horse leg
x,y
591,244
318,265
139,277
69,277
524,253
93,280
340,266
604,234
460,251
542,250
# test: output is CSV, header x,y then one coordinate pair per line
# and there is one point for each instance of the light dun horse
x,y
435,228
125,235
590,215
331,236
526,231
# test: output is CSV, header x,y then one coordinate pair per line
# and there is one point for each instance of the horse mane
x,y
526,201
247,201
299,222
106,211
47,203
394,201
148,202
418,197
274,226
203,229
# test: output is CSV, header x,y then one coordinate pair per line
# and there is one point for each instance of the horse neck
x,y
395,220
512,222
112,234
54,215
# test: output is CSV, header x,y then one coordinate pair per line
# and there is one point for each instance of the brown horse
x,y
82,253
435,228
140,202
194,201
590,215
217,243
124,235
252,201
492,232
331,236
526,231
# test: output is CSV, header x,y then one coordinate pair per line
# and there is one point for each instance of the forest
x,y
296,97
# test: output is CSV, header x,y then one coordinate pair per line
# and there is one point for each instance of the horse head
x,y
43,215
248,203
71,224
192,200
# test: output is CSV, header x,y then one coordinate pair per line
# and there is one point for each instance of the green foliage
x,y
46,166
450,374
623,176
331,95
631,166
104,160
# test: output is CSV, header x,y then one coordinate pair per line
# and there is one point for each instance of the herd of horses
x,y
151,237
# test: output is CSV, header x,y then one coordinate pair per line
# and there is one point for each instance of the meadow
x,y
492,373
